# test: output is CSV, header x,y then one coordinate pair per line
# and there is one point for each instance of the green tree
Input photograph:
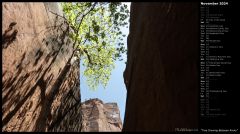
x,y
98,40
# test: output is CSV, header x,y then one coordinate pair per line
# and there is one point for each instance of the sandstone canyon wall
x,y
41,87
40,91
161,75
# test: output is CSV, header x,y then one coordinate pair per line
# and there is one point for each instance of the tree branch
x,y
84,16
59,16
77,30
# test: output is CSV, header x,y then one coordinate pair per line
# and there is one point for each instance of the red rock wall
x,y
100,117
40,92
161,75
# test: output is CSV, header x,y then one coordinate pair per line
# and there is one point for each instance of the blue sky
x,y
115,90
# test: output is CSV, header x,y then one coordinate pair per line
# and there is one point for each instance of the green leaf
x,y
122,9
96,29
116,16
95,38
102,35
104,43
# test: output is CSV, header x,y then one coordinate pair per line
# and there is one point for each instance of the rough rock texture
x,y
161,75
40,90
99,117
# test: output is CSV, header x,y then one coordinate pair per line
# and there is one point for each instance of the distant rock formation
x,y
98,116
161,75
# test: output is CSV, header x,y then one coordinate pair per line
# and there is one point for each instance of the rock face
x,y
99,117
40,90
41,87
161,75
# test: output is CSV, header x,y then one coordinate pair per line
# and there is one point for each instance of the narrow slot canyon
x,y
42,88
